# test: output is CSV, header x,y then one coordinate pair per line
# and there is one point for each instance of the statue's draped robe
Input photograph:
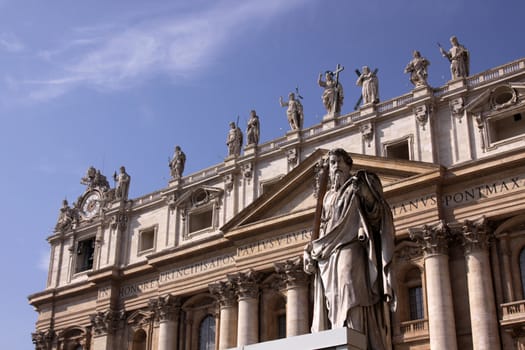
x,y
354,255
332,94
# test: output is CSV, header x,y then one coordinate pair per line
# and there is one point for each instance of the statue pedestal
x,y
367,109
456,84
422,90
293,135
339,339
250,149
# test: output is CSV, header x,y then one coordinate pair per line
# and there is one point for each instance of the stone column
x,y
167,312
296,285
225,294
248,297
442,327
104,324
483,316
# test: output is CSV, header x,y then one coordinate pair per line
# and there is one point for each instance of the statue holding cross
x,y
333,90
370,85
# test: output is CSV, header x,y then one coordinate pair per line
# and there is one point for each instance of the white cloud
x,y
120,55
10,43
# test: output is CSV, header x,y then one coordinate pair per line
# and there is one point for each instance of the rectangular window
x,y
201,220
506,127
281,326
398,150
147,240
415,297
85,254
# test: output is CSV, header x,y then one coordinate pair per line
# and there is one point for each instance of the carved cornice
x,y
224,291
246,284
433,239
105,322
474,235
165,308
291,272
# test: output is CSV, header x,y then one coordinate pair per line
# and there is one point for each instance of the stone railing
x,y
495,73
513,311
410,330
355,116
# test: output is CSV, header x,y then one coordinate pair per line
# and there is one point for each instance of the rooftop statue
x,y
459,58
122,188
369,85
234,140
417,68
94,178
351,257
333,95
177,163
253,129
294,112
66,217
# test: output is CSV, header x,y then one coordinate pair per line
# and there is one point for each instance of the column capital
x,y
246,284
43,339
433,238
105,322
224,291
165,308
473,234
291,273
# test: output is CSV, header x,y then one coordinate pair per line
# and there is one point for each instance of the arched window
x,y
522,269
415,294
207,333
139,340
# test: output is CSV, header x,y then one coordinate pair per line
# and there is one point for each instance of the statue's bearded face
x,y
339,170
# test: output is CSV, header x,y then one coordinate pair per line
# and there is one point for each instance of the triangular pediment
x,y
292,197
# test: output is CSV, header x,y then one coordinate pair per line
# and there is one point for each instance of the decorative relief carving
x,y
225,293
422,114
292,157
43,339
229,181
119,221
247,170
291,272
457,107
433,239
105,322
409,252
502,97
165,308
367,131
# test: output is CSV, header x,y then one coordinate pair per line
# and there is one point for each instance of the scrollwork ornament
x,y
367,132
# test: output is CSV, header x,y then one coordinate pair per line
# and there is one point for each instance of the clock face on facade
x,y
91,205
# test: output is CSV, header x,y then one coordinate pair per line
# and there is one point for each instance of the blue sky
x,y
122,82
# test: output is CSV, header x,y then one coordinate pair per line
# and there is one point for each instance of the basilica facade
x,y
215,259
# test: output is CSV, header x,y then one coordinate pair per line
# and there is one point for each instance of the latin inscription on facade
x,y
197,268
468,195
211,264
266,245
